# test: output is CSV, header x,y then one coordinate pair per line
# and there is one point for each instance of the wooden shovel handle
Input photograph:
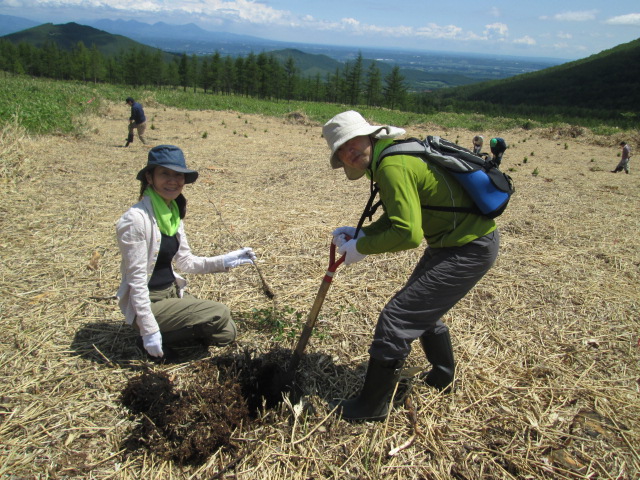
x,y
317,305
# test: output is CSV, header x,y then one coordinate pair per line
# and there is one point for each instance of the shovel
x,y
287,377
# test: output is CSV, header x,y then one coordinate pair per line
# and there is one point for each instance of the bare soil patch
x,y
547,344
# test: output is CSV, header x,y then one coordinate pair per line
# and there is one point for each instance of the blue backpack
x,y
489,188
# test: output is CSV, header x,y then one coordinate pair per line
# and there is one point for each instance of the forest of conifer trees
x,y
256,75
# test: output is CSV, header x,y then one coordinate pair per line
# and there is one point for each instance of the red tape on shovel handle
x,y
333,264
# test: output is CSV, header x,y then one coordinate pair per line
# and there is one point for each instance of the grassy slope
x,y
47,106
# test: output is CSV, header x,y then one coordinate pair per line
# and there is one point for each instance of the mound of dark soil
x,y
186,422
263,379
188,418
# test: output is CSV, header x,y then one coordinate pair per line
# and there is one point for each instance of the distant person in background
x,y
137,121
152,239
498,146
478,141
624,160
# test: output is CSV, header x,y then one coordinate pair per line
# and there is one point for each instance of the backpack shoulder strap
x,y
424,149
410,146
441,152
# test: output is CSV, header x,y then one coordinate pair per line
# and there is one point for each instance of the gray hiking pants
x,y
623,165
442,277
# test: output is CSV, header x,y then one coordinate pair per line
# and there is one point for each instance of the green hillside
x,y
311,65
68,35
609,80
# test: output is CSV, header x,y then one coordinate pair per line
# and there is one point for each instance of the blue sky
x,y
564,29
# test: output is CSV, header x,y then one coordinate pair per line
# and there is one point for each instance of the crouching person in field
x,y
152,238
420,201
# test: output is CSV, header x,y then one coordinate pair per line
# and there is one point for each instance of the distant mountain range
x,y
68,35
186,38
10,24
422,71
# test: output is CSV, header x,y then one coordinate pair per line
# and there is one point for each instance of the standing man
x,y
461,248
624,161
137,121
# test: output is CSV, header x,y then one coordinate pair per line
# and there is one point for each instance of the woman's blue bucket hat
x,y
171,157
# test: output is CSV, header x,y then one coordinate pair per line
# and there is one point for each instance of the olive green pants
x,y
188,320
140,128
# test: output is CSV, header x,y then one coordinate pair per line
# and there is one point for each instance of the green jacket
x,y
406,183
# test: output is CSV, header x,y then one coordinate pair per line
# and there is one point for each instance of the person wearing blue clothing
x,y
137,121
497,146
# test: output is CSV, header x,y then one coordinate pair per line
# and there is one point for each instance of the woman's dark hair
x,y
181,201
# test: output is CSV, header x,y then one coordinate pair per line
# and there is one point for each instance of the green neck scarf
x,y
167,216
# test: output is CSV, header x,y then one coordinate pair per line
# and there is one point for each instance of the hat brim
x,y
190,176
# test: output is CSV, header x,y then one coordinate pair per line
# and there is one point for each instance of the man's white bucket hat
x,y
347,125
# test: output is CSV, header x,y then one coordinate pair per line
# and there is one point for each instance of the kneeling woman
x,y
152,238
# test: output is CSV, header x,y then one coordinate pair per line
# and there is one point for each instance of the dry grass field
x,y
547,344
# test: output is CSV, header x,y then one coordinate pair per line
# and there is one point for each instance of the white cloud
x,y
583,16
355,27
526,40
494,12
433,30
629,19
249,11
564,35
350,22
429,31
496,31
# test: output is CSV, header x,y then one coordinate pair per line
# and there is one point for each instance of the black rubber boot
x,y
439,353
373,401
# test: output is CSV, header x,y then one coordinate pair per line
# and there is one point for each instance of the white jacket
x,y
139,240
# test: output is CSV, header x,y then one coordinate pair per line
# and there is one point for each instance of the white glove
x,y
340,240
340,235
352,254
153,344
348,231
238,257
